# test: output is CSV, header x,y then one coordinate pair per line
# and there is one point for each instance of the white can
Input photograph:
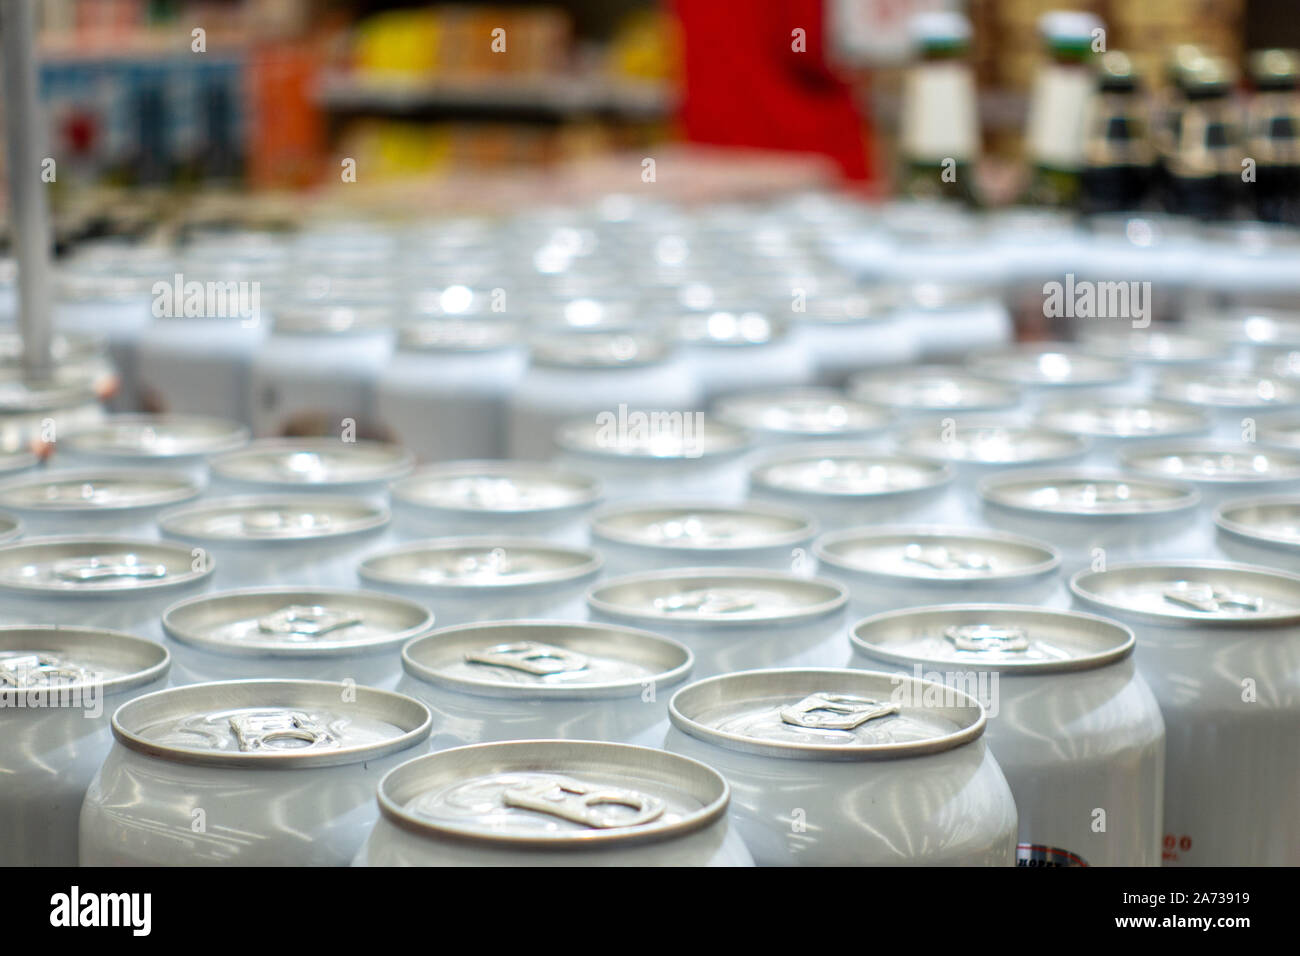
x,y
928,392
519,680
108,502
1219,471
35,414
518,498
729,351
314,633
1047,371
553,803
1152,351
1220,646
179,443
246,773
488,578
839,767
1279,431
782,416
200,366
891,567
58,689
947,320
328,466
845,333
1112,425
298,540
1263,531
732,618
1233,398
1074,727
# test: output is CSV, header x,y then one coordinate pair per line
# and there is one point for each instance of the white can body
x,y
200,366
305,380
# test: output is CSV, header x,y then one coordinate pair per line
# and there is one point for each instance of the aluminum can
x,y
518,498
1159,348
782,416
907,566
847,332
947,320
1047,371
306,466
298,540
732,618
200,366
312,633
729,351
58,689
1263,531
1114,424
1095,518
118,583
840,767
519,680
486,578
11,529
647,537
177,443
16,462
1233,398
684,455
246,773
1279,431
926,392
34,414
1244,331
101,502
1074,727
553,803
1220,646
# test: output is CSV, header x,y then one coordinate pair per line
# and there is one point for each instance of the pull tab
x,y
103,566
273,729
531,657
282,522
945,558
823,711
310,620
39,669
708,601
576,802
987,637
494,563
1208,598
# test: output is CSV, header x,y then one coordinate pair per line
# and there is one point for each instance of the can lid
x,y
1249,326
826,714
1279,430
64,348
1049,364
937,388
604,349
849,308
96,492
97,567
480,563
1084,493
1237,388
47,658
718,597
496,488
13,462
313,463
802,413
273,518
702,527
458,335
330,318
936,554
544,660
296,622
728,329
1123,419
553,794
1153,345
281,724
10,528
155,437
990,443
1192,592
69,388
1270,521
998,637
846,471
1221,463
649,436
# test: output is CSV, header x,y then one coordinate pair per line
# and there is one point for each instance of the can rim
x,y
108,541
1185,497
1129,458
183,489
236,436
1167,386
942,473
16,462
1096,601
805,529
1251,533
401,489
589,567
379,517
16,529
400,462
991,364
906,376
1077,445
735,442
116,685
729,409
1047,567
1055,415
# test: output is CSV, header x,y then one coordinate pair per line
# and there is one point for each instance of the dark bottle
x,y
1118,154
1273,135
1204,166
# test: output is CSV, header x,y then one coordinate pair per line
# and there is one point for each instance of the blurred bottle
x,y
1118,154
1273,134
1058,104
1205,163
1170,100
939,139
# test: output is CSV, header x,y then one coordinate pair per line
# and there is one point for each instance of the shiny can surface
x,y
1263,531
1219,471
927,392
780,416
180,443
327,466
1113,425
1045,370
100,502
1234,399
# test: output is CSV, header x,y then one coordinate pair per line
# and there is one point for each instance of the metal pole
x,y
29,212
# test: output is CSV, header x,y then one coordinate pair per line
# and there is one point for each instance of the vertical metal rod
x,y
29,210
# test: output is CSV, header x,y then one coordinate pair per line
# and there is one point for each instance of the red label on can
x,y
1035,854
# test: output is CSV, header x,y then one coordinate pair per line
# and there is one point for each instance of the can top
x,y
604,349
802,413
98,567
1233,388
273,518
728,329
155,437
330,318
553,794
1212,463
717,597
1272,521
545,660
44,657
937,388
702,527
847,308
1281,430
69,387
1249,326
1124,419
96,492
1084,493
846,471
281,724
826,714
937,554
496,488
652,436
1014,638
313,463
480,563
990,443
10,528
1048,364
12,462
1155,345
1192,592
459,335
295,622
64,348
